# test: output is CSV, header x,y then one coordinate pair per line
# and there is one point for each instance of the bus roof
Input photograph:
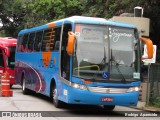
x,y
78,19
8,41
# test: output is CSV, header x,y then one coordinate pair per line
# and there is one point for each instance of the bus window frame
x,y
39,44
19,43
30,49
57,38
24,46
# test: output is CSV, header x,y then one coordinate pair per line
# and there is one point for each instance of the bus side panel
x,y
37,75
25,67
7,59
49,72
4,67
19,68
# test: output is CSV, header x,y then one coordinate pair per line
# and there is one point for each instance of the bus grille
x,y
107,90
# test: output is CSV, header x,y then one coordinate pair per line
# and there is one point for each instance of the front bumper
x,y
78,96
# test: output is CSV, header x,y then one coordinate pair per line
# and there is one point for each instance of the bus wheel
x,y
24,89
108,107
57,103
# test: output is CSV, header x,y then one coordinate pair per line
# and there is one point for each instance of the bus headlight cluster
x,y
79,86
133,89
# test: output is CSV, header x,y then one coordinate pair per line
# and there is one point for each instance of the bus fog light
x,y
133,89
79,86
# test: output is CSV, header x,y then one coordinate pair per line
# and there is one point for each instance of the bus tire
x,y
108,107
25,91
57,103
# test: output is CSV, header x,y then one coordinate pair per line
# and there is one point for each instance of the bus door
x,y
65,58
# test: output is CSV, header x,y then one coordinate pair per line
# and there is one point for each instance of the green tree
x,y
20,14
13,16
110,8
43,11
11,12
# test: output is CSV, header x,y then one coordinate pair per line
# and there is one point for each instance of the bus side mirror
x,y
149,47
71,43
7,52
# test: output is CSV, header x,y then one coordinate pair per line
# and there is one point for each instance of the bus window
x,y
11,58
20,39
57,38
38,44
48,40
1,59
30,42
24,43
65,58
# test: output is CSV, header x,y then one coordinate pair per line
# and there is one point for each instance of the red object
x,y
5,86
7,52
7,93
107,99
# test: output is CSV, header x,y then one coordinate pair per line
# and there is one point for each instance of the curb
x,y
149,109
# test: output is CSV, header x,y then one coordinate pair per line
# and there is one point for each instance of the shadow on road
x,y
90,111
69,110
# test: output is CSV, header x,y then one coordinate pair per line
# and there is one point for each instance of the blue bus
x,y
81,60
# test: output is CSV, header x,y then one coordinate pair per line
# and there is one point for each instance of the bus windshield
x,y
105,53
11,59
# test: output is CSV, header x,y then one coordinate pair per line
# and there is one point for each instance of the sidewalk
x,y
143,106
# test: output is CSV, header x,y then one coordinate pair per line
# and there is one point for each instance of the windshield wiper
x,y
117,67
102,65
103,62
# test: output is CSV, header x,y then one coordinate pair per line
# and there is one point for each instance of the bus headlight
x,y
133,89
79,86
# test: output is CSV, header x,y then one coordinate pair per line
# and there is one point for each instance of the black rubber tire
x,y
57,103
25,91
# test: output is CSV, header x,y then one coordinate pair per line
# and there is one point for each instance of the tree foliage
x,y
20,14
10,16
110,8
42,11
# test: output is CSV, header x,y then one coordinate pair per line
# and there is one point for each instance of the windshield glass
x,y
122,52
104,53
11,58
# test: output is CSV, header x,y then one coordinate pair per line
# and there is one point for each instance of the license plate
x,y
107,99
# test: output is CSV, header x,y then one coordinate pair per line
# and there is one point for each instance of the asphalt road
x,y
34,106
